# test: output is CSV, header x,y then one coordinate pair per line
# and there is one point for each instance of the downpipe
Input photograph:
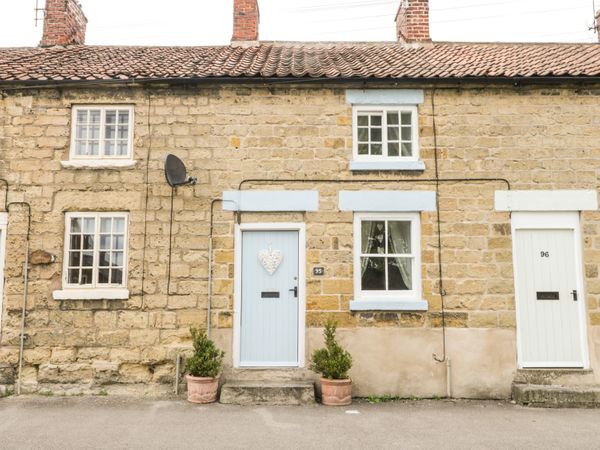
x,y
23,313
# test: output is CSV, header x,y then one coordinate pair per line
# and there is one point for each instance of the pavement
x,y
36,422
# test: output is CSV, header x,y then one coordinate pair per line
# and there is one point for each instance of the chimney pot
x,y
412,21
64,23
246,18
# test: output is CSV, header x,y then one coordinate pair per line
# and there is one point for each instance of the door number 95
x,y
544,254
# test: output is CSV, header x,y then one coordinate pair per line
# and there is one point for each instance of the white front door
x,y
548,287
269,299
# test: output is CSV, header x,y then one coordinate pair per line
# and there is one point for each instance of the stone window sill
x,y
91,294
98,164
389,305
416,166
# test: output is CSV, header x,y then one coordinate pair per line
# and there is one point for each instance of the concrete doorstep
x,y
274,393
552,396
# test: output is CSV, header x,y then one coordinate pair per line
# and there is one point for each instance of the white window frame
x,y
91,159
413,109
384,296
94,285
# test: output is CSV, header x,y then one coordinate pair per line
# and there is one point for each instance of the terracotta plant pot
x,y
202,390
336,392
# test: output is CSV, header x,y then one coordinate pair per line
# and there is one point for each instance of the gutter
x,y
422,81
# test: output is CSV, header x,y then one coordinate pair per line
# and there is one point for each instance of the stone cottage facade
x,y
437,200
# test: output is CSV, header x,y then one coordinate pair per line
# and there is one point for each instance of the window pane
x,y
73,276
74,259
89,225
363,135
373,236
122,148
76,225
118,242
94,132
373,274
110,132
117,259
392,118
82,116
103,275
363,149
105,224
94,148
393,149
399,274
118,225
86,276
123,117
393,133
399,237
88,242
95,116
406,118
81,132
375,120
105,242
123,132
111,117
376,134
87,259
117,276
109,148
376,149
75,242
363,121
80,148
406,149
406,133
104,259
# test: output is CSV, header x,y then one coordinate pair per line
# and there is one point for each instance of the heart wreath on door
x,y
270,259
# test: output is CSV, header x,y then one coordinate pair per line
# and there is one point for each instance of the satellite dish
x,y
175,172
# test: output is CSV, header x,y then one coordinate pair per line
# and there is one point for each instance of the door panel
x,y
549,325
269,306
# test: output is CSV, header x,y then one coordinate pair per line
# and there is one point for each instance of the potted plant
x,y
333,363
203,368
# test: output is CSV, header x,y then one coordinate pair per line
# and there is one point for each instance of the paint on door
x,y
269,306
548,299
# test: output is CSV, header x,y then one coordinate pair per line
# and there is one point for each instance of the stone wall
x,y
538,138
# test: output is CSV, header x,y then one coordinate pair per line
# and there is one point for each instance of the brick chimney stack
x,y
412,21
246,18
64,23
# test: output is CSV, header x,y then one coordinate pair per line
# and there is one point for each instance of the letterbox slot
x,y
547,295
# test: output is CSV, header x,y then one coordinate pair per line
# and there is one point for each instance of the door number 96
x,y
544,254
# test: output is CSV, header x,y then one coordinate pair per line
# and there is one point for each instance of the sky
x,y
209,22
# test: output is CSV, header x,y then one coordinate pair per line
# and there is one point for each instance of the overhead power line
x,y
367,4
466,19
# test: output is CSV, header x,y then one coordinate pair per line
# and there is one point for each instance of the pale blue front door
x,y
269,310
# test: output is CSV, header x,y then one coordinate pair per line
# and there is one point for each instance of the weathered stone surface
x,y
547,396
535,140
41,257
268,393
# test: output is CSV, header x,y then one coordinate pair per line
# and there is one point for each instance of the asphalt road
x,y
117,423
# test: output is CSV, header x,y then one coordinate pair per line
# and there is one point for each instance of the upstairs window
x,y
385,133
102,133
